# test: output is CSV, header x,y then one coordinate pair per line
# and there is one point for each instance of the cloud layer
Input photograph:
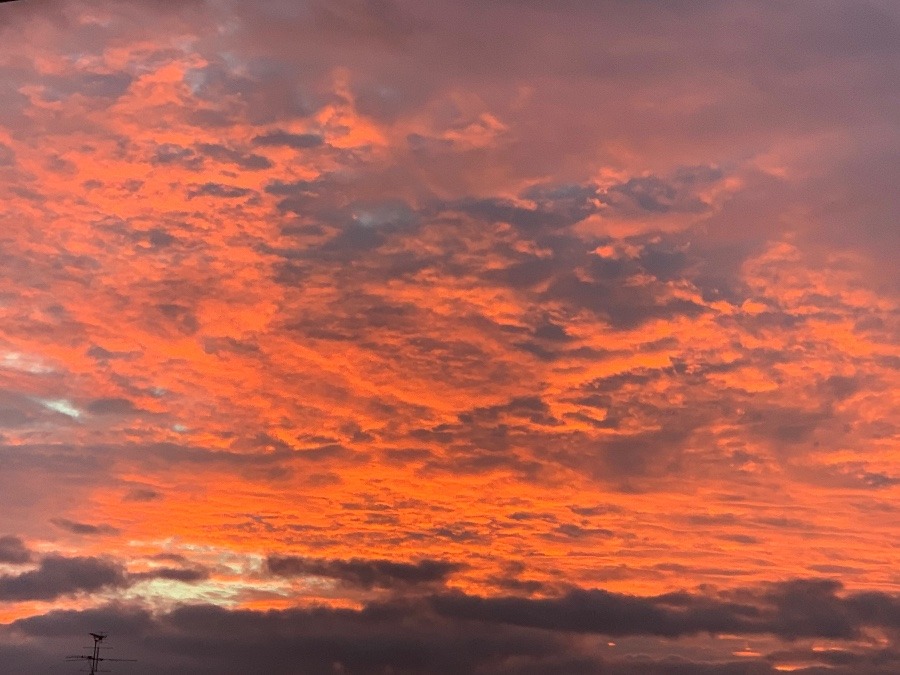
x,y
538,326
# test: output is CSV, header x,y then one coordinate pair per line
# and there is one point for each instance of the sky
x,y
390,337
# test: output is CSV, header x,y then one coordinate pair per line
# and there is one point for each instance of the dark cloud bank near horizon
x,y
434,630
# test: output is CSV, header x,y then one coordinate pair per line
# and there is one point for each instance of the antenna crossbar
x,y
95,658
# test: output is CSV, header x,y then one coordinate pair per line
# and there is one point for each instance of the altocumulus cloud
x,y
363,316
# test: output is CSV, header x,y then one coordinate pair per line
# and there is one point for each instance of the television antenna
x,y
95,658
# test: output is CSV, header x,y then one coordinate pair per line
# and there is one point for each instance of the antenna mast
x,y
95,657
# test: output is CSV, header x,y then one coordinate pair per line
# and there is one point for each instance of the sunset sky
x,y
497,337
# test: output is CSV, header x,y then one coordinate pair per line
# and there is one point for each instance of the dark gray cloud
x,y
455,633
142,495
89,529
112,406
56,576
218,190
207,639
602,289
94,85
169,153
17,413
13,550
286,139
547,215
364,573
183,574
102,354
605,613
244,160
790,610
656,195
179,317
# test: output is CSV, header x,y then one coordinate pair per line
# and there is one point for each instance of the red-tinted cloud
x,y
340,304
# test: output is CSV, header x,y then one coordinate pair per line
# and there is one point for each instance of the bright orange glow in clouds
x,y
373,336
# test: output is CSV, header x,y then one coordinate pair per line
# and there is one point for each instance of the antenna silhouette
x,y
95,657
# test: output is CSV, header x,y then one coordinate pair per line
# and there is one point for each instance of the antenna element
x,y
95,657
